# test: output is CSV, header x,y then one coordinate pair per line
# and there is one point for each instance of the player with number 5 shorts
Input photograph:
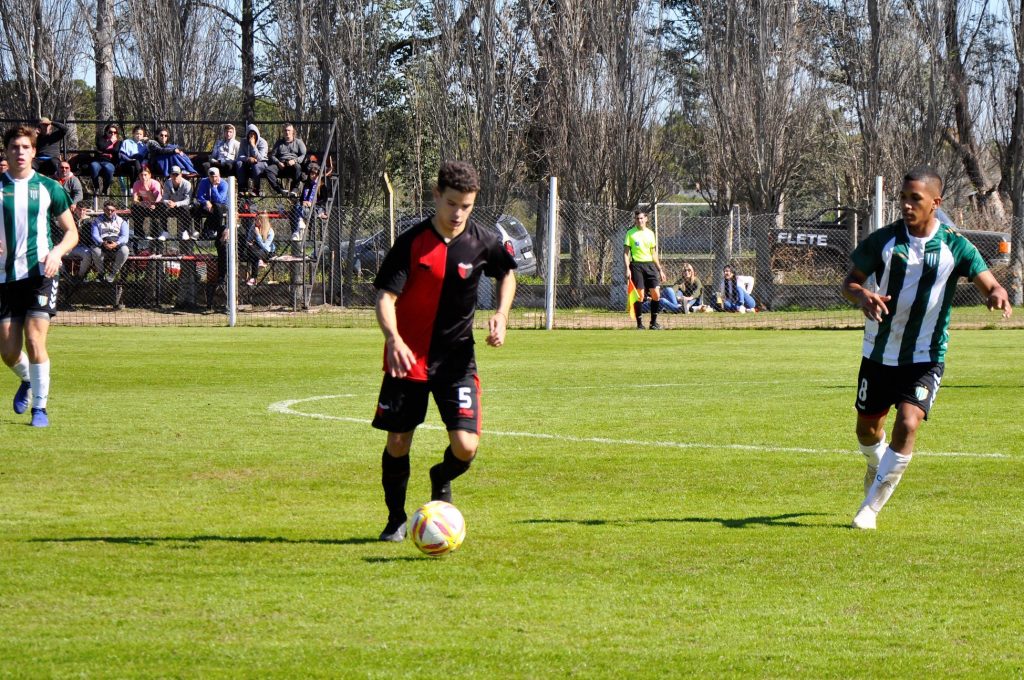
x,y
426,302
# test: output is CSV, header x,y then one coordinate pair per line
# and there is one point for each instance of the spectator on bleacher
x,y
48,139
286,160
110,238
83,250
177,199
309,194
72,185
146,197
102,165
259,245
163,155
224,154
734,297
212,208
252,162
132,154
326,168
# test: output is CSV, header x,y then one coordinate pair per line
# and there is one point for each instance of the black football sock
x,y
655,308
637,311
448,469
395,480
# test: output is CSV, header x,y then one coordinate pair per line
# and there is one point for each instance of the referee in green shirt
x,y
640,254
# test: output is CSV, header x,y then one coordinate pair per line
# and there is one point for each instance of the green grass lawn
x,y
206,504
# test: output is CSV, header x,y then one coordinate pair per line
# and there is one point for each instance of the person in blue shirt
x,y
132,154
211,208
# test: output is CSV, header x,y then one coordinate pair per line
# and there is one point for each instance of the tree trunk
x,y
104,60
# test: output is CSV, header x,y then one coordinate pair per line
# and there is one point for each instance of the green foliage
x,y
643,505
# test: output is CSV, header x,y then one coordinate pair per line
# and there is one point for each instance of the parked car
x,y
370,251
824,241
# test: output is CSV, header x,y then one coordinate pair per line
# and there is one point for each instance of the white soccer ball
x,y
437,528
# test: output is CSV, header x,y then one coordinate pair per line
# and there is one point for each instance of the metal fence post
x,y
552,273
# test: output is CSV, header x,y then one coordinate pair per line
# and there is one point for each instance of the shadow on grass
x,y
405,558
154,540
783,520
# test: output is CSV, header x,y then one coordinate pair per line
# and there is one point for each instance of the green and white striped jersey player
x,y
916,263
29,263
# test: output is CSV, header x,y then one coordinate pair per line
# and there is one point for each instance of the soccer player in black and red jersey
x,y
426,301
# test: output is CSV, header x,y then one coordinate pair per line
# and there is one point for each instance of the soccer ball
x,y
437,528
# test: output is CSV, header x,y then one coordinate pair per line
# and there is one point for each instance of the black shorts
x,y
35,296
402,404
644,275
879,387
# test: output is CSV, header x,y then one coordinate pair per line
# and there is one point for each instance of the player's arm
x,y
400,358
872,304
52,264
657,263
995,294
498,324
625,258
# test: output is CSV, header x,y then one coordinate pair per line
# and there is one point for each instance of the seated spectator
x,y
132,154
211,207
259,245
3,165
163,155
83,250
224,154
177,198
146,197
51,133
286,160
72,185
102,165
252,162
326,168
734,297
309,194
110,239
689,290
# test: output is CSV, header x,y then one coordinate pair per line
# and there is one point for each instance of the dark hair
x,y
20,131
163,129
83,205
458,175
924,173
137,128
110,204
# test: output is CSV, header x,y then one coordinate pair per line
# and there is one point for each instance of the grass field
x,y
668,504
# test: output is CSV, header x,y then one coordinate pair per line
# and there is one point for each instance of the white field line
x,y
286,407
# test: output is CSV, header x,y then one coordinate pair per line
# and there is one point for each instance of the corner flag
x,y
632,296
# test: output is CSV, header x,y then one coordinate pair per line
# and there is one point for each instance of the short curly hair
x,y
458,175
20,131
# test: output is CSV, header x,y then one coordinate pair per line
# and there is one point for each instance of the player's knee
x,y
655,295
399,443
869,430
464,447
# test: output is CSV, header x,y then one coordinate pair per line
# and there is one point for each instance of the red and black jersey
x,y
436,284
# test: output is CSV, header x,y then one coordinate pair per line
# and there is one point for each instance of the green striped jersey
x,y
28,205
920,275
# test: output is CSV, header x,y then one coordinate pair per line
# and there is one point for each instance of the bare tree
x,y
479,64
44,41
188,77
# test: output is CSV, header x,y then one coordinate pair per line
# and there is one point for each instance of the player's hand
x,y
52,264
497,327
999,300
873,305
400,358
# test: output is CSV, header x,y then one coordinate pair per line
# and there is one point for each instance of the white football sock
x,y
890,471
39,376
21,367
873,453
